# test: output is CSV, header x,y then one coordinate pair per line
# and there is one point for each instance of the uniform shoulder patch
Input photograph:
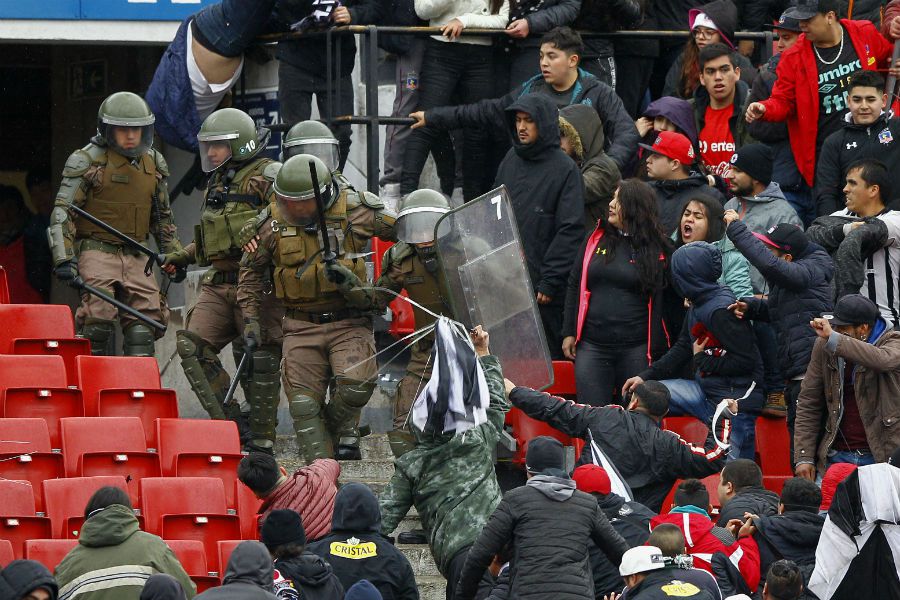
x,y
271,170
161,165
371,200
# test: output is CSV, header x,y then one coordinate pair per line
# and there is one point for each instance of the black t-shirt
x,y
563,98
834,80
617,314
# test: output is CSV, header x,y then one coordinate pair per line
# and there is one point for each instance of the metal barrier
x,y
369,59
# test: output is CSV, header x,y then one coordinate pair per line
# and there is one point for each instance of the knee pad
x,y
99,332
138,340
189,344
352,392
302,406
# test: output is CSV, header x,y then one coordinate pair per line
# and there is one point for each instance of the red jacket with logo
x,y
795,97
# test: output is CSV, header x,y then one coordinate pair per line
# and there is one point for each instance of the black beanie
x,y
282,526
21,577
756,161
545,454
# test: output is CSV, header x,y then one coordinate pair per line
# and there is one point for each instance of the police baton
x,y
154,257
79,283
242,366
328,255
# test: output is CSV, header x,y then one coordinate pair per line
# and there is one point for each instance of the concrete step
x,y
431,588
419,557
367,469
374,446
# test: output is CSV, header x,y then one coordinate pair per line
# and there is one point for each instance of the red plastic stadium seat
x,y
18,521
30,321
48,552
225,548
65,500
147,405
4,286
50,405
247,506
25,454
97,373
773,451
189,508
47,372
403,320
6,549
712,487
16,498
192,556
108,446
379,247
689,428
563,379
200,448
68,350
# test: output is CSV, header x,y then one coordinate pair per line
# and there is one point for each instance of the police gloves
x,y
341,276
67,271
252,334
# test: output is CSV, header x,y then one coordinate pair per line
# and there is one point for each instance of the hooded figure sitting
x,y
248,576
357,551
719,347
27,580
581,137
547,195
548,524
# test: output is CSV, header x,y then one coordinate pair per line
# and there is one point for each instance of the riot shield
x,y
488,284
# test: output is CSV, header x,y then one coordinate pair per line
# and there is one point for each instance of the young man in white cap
x,y
649,575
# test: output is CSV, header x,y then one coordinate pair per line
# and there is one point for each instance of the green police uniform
x,y
236,192
327,326
120,179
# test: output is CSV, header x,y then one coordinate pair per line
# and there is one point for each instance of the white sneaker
x,y
390,195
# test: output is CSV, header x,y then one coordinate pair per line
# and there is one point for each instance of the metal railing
x,y
369,59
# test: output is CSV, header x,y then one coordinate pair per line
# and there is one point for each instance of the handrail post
x,y
372,125
329,79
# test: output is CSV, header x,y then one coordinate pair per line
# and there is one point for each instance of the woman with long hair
x,y
614,324
702,220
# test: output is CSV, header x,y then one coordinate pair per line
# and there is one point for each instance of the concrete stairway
x,y
375,470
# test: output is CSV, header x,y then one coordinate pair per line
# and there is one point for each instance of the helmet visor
x,y
324,149
128,140
215,151
296,212
416,226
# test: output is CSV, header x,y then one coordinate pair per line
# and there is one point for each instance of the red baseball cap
x,y
673,145
591,478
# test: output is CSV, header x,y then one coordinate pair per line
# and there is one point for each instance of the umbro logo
x,y
827,88
852,145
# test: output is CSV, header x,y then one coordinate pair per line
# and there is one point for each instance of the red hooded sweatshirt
x,y
701,543
795,97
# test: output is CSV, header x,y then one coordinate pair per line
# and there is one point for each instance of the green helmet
x,y
229,133
295,195
418,214
125,124
311,137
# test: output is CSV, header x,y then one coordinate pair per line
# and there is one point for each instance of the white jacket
x,y
472,14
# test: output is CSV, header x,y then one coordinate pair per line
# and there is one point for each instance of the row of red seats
x,y
117,446
189,508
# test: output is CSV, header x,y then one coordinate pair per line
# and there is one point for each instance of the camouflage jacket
x,y
450,479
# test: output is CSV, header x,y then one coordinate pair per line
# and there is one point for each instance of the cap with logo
x,y
786,237
641,559
788,21
673,145
853,309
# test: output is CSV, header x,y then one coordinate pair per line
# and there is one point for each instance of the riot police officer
x,y
312,137
120,179
412,264
230,145
327,325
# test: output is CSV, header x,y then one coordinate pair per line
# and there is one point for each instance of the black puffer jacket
x,y
774,134
672,195
658,584
548,524
309,575
799,291
880,140
356,550
793,535
542,16
754,500
606,16
632,521
650,459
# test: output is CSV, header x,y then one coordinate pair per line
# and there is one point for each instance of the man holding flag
x,y
642,459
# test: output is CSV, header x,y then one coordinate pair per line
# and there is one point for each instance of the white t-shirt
x,y
207,96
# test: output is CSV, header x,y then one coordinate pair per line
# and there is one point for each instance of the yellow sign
x,y
356,551
680,590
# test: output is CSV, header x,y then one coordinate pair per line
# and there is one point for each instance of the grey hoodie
x,y
759,213
555,488
249,576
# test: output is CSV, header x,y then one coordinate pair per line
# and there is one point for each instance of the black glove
x,y
341,276
67,271
252,334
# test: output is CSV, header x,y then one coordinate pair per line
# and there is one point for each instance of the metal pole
x,y
766,52
373,149
329,96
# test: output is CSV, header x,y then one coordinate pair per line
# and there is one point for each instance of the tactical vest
x,y
226,211
124,198
422,286
299,273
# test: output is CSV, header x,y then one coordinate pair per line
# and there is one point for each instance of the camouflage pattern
x,y
450,479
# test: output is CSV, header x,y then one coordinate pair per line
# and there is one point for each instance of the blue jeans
x,y
803,203
688,398
768,350
849,456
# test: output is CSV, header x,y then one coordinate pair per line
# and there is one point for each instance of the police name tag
x,y
120,178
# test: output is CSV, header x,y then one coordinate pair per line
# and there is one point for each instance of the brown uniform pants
x,y
314,353
122,276
217,318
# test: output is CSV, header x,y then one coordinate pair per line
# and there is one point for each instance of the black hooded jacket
x,y
309,576
21,577
356,549
793,535
632,521
673,194
755,500
249,575
547,196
